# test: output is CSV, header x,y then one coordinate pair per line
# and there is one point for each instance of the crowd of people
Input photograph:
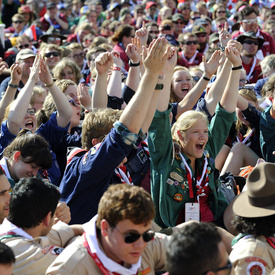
x,y
124,122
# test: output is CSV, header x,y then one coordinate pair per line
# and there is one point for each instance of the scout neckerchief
x,y
192,59
196,181
123,174
246,138
105,264
9,229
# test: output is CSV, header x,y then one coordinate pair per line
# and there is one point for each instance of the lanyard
x,y
103,269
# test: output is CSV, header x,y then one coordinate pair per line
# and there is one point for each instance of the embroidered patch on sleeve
x,y
255,268
56,250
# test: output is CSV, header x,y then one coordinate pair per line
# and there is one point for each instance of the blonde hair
x,y
186,121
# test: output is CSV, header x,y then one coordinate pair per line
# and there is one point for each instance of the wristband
x,y
116,69
237,68
133,64
48,85
159,87
13,85
206,78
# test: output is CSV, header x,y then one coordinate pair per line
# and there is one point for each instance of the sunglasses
x,y
23,46
155,32
31,111
186,8
220,26
221,11
73,103
250,21
190,43
132,237
196,78
201,35
80,55
250,42
17,22
177,23
53,39
48,55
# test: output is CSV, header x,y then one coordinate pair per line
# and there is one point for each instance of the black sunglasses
x,y
190,43
250,42
23,46
155,32
52,54
132,237
228,266
17,22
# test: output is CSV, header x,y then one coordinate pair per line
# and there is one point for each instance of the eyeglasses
x,y
250,42
31,111
80,55
190,43
17,22
196,78
221,11
23,46
185,8
177,22
220,26
132,237
48,55
73,103
201,35
250,21
155,32
140,12
227,266
54,39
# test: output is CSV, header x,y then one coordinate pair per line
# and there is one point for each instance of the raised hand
x,y
117,60
213,63
84,95
34,71
133,52
44,73
16,73
104,62
154,57
224,35
233,52
142,34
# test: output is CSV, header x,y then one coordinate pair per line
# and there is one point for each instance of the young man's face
x,y
4,198
250,46
117,249
250,23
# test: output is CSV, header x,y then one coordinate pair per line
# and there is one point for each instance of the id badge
x,y
192,211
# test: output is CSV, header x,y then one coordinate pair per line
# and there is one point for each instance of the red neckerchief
x,y
127,174
99,264
271,241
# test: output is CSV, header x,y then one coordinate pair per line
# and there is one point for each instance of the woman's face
x,y
181,84
75,119
52,57
71,91
194,140
29,121
68,73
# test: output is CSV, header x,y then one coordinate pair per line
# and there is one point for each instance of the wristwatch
x,y
159,87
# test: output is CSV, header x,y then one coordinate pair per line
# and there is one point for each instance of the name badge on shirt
x,y
192,211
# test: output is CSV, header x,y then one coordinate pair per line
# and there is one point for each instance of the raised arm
x,y
20,105
193,96
16,73
154,59
230,96
64,109
102,63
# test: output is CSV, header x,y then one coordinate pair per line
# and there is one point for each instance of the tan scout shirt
x,y
253,256
33,257
75,259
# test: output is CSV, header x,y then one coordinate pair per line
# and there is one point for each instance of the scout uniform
x,y
86,256
253,255
34,255
171,176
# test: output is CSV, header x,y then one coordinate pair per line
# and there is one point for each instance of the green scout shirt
x,y
163,163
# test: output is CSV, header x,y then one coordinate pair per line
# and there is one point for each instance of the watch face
x,y
159,87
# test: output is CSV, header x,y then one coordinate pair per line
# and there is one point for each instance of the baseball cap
x,y
24,54
177,16
51,5
198,29
150,4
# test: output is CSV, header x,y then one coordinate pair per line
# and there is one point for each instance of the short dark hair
x,y
6,255
33,148
247,11
255,226
193,250
32,199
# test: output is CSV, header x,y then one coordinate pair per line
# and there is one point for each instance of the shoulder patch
x,y
255,268
56,250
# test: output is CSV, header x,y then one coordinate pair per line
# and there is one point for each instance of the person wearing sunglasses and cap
x,y
249,22
189,54
253,250
251,43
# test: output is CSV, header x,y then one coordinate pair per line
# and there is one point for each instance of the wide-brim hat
x,y
51,32
259,199
252,35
